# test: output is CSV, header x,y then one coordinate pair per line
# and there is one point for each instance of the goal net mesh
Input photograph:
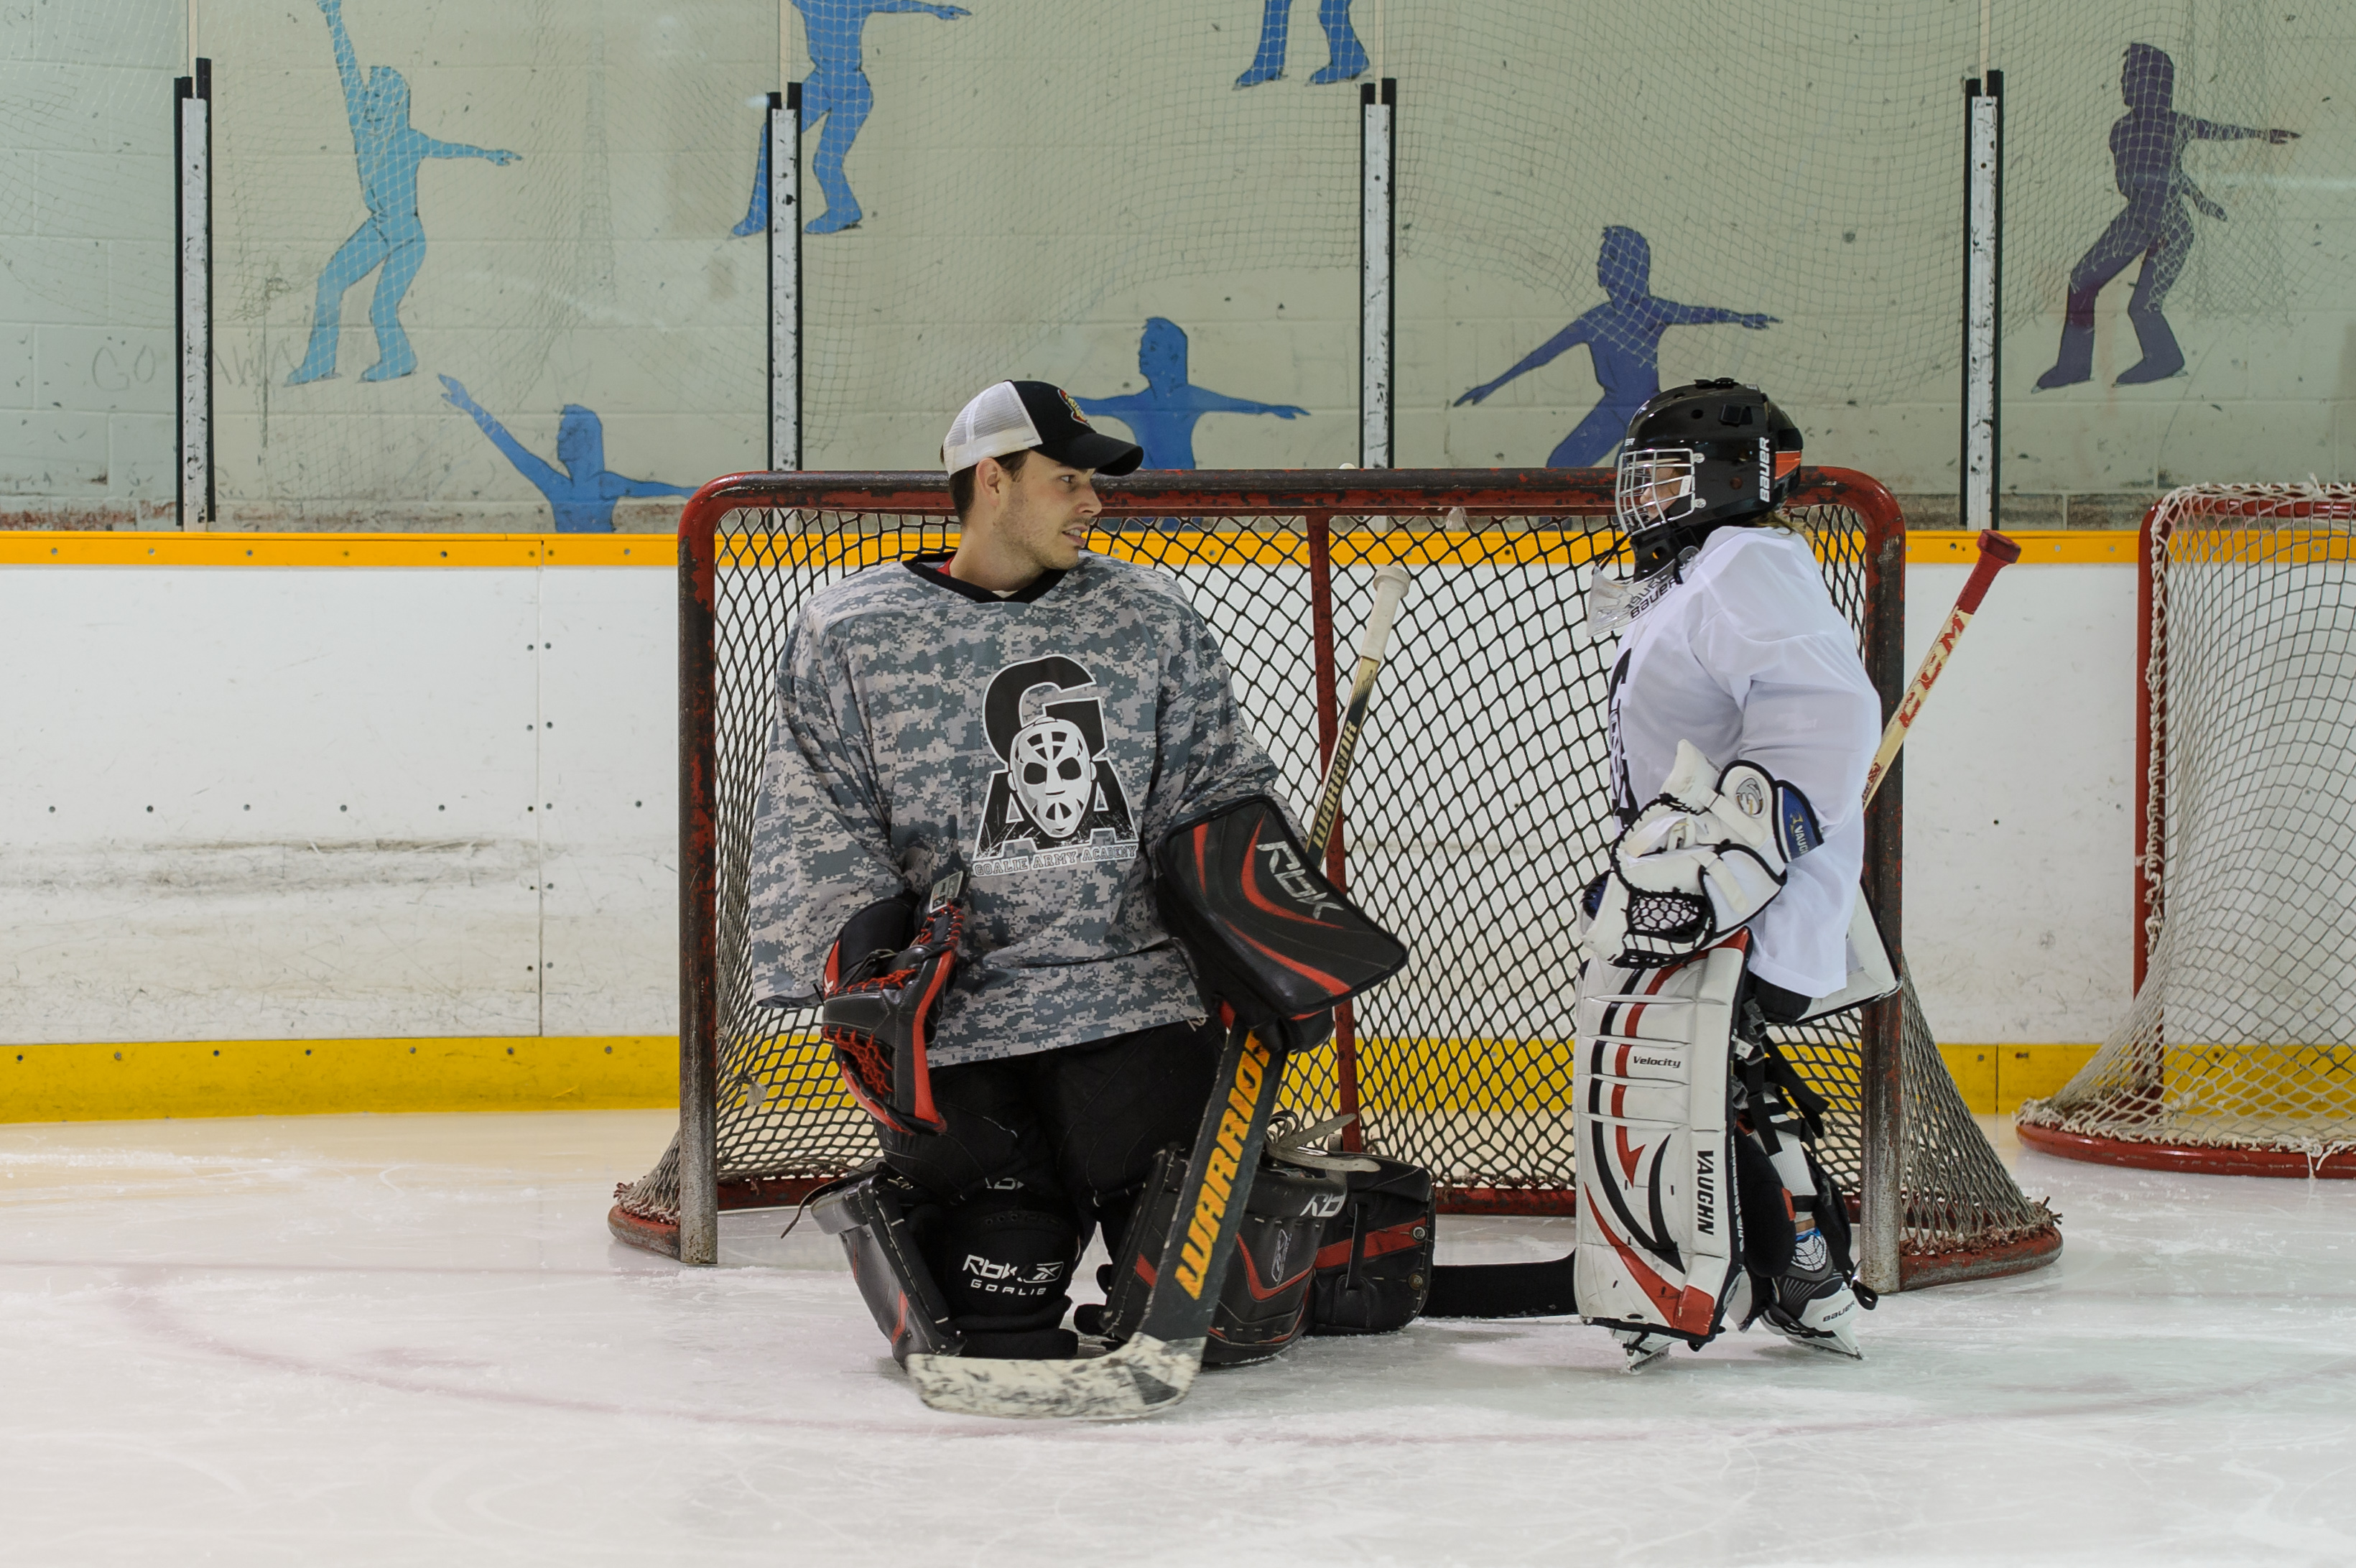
x,y
1478,806
2243,1033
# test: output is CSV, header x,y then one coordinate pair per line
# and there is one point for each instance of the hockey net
x,y
1478,806
2239,1053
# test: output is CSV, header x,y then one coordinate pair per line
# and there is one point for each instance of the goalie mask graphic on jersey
x,y
1053,773
1055,800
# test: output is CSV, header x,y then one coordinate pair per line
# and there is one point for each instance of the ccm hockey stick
x,y
1996,552
1158,1364
1546,1289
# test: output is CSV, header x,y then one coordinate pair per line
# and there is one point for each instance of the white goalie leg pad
x,y
1658,1229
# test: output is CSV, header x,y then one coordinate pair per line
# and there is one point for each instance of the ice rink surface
x,y
409,1339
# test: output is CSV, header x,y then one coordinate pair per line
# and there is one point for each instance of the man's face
x,y
1045,512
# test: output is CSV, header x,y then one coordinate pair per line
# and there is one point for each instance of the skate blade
x,y
1834,1344
1638,1359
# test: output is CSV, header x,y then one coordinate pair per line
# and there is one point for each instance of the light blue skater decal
x,y
1161,417
583,492
389,149
1624,337
837,89
1345,56
757,211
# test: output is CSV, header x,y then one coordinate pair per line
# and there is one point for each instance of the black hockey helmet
x,y
1697,458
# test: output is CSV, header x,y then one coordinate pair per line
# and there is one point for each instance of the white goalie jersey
x,y
1747,658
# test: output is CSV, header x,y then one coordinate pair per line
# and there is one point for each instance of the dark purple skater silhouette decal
x,y
2148,160
1624,339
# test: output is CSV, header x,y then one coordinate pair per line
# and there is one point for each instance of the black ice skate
x,y
1812,1303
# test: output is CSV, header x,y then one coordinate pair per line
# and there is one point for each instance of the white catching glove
x,y
1698,865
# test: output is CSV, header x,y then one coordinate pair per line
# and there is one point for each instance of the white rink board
x,y
2019,783
348,777
463,818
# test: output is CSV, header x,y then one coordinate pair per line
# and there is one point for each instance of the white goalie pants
x,y
1658,1230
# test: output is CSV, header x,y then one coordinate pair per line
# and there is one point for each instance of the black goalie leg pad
x,y
1373,1261
1264,1301
1128,1279
1832,1218
879,1214
1004,1258
1264,1296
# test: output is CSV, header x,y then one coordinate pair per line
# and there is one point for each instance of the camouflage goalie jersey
x,y
1042,744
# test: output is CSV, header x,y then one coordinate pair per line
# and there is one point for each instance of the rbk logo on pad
x,y
1294,878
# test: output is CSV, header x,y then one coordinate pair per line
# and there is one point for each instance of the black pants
x,y
1082,1123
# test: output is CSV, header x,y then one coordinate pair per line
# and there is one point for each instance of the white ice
x,y
408,1339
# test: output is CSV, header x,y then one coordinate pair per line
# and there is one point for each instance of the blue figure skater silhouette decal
x,y
2148,164
1161,417
389,149
837,89
1623,339
583,492
1345,56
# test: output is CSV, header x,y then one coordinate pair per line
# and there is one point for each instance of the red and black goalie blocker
x,y
1272,942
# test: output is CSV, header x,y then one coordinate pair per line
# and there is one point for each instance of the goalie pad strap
x,y
1659,1230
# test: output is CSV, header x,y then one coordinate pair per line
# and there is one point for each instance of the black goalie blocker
x,y
1272,942
885,982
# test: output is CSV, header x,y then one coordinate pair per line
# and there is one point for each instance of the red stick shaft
x,y
1996,552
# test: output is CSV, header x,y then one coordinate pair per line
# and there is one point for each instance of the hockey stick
x,y
1545,1289
1158,1364
1996,552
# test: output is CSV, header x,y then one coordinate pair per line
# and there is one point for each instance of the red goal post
x,y
1478,808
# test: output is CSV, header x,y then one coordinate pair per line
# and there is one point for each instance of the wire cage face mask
x,y
1655,487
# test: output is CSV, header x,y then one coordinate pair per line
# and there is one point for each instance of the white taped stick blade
x,y
1143,1376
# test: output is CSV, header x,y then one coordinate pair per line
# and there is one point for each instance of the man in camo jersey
x,y
1036,716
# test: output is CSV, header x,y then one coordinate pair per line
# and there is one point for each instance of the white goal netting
x,y
2242,1035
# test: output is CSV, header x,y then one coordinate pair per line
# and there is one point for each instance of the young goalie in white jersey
x,y
1741,726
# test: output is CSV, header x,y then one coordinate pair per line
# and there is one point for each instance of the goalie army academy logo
x,y
1055,801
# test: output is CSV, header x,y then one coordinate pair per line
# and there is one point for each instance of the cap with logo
x,y
1016,416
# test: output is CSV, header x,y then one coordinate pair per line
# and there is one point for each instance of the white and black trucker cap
x,y
1016,416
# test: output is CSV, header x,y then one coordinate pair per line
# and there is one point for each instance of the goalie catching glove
x,y
1698,865
884,980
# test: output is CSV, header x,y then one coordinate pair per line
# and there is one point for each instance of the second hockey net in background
x,y
2239,1053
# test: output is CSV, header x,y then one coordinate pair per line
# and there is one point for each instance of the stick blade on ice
x,y
1143,1376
